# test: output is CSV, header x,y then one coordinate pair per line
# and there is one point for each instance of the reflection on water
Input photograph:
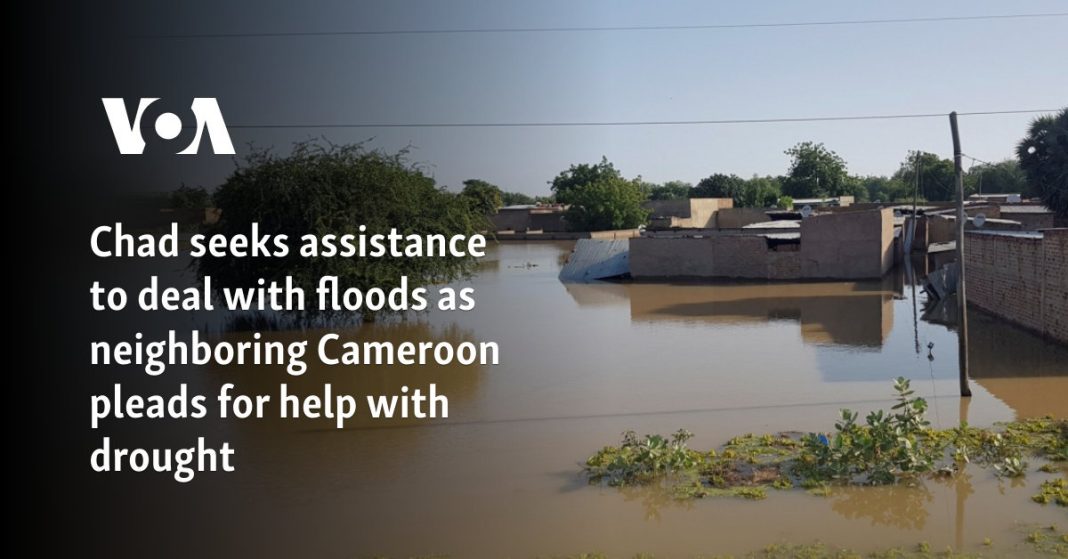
x,y
579,365
654,499
856,314
899,506
1000,350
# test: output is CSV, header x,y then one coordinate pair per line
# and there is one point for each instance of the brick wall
x,y
853,245
1022,279
732,256
1055,293
1031,221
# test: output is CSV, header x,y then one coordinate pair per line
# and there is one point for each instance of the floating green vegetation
x,y
1041,541
1038,540
887,447
823,551
1053,491
1048,541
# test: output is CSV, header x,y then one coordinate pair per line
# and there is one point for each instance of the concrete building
x,y
833,201
700,214
844,245
1031,217
943,228
936,224
1004,198
689,213
520,219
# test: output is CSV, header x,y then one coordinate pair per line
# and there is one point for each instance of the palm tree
x,y
1043,156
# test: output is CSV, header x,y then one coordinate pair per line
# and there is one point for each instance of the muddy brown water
x,y
579,365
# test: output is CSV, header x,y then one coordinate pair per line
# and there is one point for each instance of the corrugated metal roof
x,y
595,259
777,224
1004,233
1025,210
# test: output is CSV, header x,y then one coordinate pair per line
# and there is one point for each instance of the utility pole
x,y
962,295
916,188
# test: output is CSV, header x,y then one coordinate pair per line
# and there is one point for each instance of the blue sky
x,y
612,76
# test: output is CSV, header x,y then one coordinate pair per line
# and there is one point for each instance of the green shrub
x,y
886,447
639,460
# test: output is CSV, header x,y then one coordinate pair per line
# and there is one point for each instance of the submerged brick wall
x,y
711,257
1024,280
853,245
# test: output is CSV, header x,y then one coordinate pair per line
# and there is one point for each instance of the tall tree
x,y
516,199
320,189
937,176
758,192
998,178
190,198
670,190
605,204
816,171
580,175
483,197
718,185
886,189
1043,156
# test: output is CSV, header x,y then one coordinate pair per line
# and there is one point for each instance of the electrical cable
x,y
584,29
551,124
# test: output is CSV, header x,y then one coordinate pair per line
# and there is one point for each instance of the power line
x,y
560,124
499,30
976,159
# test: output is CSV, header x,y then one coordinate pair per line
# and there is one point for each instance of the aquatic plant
x,y
887,448
1040,540
1048,541
1053,491
1011,467
641,459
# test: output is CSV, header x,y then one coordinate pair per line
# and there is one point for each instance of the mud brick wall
x,y
848,245
711,257
1024,280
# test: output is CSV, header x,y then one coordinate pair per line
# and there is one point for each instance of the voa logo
x,y
167,125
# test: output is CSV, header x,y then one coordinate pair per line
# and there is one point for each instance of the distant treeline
x,y
599,197
817,172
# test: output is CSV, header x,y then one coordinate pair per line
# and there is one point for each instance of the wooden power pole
x,y
962,295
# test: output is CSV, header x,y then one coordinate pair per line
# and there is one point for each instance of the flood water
x,y
580,364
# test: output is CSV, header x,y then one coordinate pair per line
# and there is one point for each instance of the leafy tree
x,y
855,188
190,198
758,192
886,189
998,178
671,190
938,178
1043,156
516,199
605,204
320,189
718,186
580,175
816,172
483,197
